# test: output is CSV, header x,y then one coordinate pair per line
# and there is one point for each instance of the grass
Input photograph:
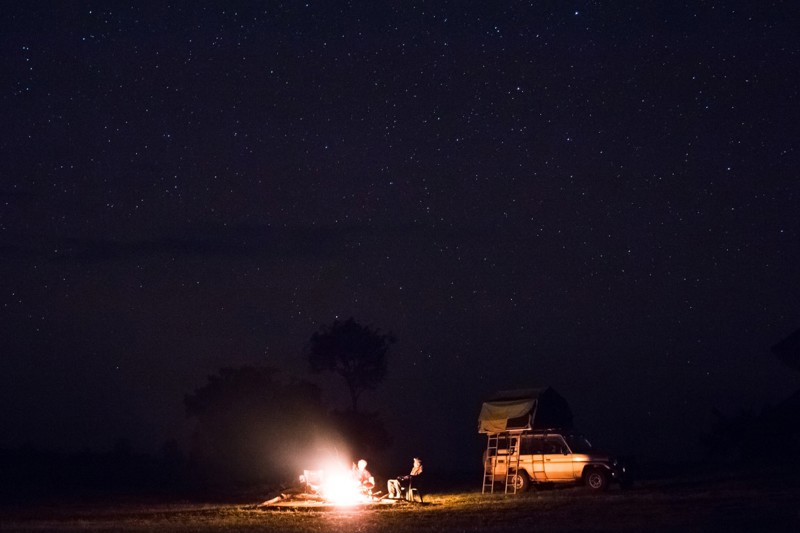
x,y
763,502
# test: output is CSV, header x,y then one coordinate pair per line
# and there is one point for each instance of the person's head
x,y
362,464
417,461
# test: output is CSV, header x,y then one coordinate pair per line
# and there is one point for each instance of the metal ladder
x,y
512,462
490,463
513,442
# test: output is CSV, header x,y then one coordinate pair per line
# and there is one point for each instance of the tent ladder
x,y
490,463
514,442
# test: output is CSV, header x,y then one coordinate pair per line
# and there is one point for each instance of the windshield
x,y
578,443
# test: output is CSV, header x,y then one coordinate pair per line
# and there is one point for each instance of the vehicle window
x,y
531,445
579,444
554,445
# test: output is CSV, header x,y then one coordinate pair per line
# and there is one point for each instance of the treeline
x,y
769,436
253,426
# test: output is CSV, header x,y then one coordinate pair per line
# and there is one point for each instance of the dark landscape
x,y
741,500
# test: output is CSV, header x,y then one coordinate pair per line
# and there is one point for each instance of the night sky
x,y
602,197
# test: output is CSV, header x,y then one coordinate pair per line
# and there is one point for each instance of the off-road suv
x,y
552,456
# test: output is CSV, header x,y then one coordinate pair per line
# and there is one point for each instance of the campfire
x,y
333,485
340,488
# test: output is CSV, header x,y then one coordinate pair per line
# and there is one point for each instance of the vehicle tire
x,y
521,481
597,479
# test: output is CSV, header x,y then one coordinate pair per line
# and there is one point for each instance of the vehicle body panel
x,y
547,457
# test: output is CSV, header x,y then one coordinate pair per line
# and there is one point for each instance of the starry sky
x,y
597,196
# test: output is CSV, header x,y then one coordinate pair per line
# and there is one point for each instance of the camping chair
x,y
414,489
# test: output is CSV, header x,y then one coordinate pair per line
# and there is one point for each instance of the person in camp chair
x,y
400,484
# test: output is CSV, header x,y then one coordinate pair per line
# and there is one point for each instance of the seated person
x,y
313,480
300,486
364,477
401,484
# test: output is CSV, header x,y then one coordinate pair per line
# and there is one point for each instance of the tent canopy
x,y
524,409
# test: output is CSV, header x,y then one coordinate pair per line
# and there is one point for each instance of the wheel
x,y
521,481
597,479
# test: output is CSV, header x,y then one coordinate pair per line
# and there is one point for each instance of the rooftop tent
x,y
524,409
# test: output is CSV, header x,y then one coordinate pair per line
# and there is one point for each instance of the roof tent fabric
x,y
494,416
524,409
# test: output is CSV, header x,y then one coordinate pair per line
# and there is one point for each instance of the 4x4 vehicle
x,y
552,456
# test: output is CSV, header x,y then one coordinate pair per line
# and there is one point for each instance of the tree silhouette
x,y
251,425
355,352
742,436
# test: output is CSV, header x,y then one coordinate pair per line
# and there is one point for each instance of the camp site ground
x,y
683,500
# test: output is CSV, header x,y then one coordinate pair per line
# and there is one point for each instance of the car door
x,y
557,458
532,449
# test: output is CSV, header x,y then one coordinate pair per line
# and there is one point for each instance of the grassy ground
x,y
733,502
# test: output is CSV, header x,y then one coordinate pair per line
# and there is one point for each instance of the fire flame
x,y
340,488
